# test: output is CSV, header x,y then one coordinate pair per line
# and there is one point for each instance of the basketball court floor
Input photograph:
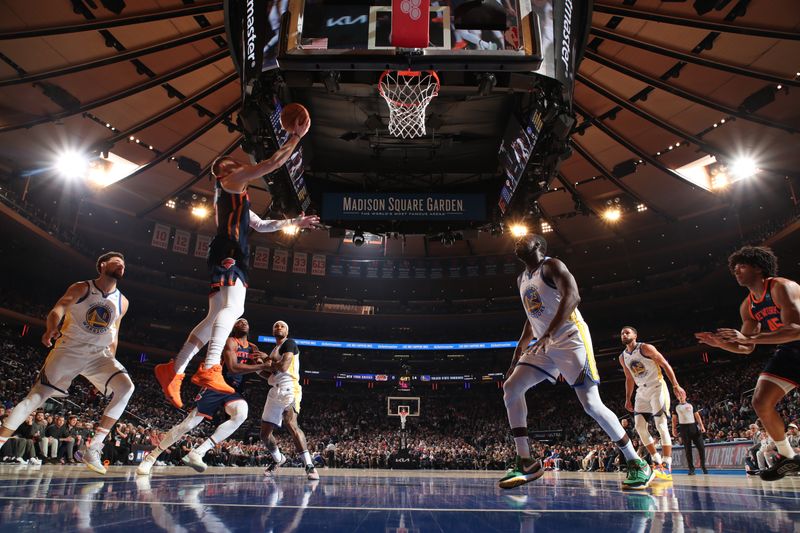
x,y
175,499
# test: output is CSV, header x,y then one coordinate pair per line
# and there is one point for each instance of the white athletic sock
x,y
668,460
100,435
185,355
276,454
656,458
784,448
629,452
203,448
523,447
307,458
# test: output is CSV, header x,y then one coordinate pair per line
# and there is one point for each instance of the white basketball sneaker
x,y
194,460
146,465
92,459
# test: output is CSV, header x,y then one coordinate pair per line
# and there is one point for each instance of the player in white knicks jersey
x,y
283,400
550,297
642,364
86,344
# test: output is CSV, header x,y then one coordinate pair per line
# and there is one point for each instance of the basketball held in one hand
x,y
295,119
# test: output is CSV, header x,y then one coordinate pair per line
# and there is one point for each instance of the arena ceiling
x,y
661,83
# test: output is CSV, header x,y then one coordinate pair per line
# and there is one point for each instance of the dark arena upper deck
x,y
530,265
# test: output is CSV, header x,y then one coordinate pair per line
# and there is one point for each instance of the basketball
x,y
291,115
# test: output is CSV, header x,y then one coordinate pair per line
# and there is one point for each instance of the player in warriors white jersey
x,y
86,345
642,364
283,400
550,298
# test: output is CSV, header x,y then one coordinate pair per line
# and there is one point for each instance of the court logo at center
x,y
533,302
98,318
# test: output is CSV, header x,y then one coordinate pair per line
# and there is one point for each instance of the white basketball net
x,y
408,93
403,416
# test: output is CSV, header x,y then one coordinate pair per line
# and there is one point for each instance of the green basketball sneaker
x,y
639,475
523,471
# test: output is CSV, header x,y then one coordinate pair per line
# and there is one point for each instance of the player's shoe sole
x,y
781,467
87,457
170,382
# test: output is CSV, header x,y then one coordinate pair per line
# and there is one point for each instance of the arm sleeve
x,y
266,226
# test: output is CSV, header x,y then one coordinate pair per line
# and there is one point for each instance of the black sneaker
x,y
781,467
705,470
691,472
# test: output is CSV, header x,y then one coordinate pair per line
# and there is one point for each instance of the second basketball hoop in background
x,y
291,115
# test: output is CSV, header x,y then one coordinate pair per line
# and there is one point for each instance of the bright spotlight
x,y
546,227
743,168
200,211
290,230
72,165
518,230
612,214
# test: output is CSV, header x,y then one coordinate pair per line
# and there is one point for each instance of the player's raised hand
x,y
708,337
733,335
304,221
302,125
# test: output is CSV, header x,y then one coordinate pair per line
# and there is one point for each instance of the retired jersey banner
x,y
261,259
300,263
280,260
161,236
403,206
318,265
181,242
201,245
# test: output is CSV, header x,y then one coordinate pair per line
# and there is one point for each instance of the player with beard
x,y
85,344
240,356
770,315
550,297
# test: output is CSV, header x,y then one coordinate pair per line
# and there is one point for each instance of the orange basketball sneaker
x,y
212,378
170,382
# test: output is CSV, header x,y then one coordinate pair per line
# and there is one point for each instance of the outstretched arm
x,y
268,226
786,295
716,339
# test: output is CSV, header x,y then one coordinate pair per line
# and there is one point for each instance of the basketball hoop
x,y
403,413
408,93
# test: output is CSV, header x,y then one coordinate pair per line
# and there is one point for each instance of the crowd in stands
x,y
349,427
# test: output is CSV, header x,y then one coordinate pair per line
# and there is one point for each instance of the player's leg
x,y
271,418
529,372
172,436
299,438
232,307
236,408
170,375
640,423
55,378
769,391
660,406
639,472
109,377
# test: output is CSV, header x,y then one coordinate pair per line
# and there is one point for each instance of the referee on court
x,y
689,426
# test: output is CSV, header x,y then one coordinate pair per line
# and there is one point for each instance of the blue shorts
x,y
784,364
208,401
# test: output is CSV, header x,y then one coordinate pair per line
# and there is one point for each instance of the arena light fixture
x,y
546,227
612,214
72,164
518,230
743,168
199,211
641,208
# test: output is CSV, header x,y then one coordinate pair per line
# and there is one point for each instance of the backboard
x,y
395,403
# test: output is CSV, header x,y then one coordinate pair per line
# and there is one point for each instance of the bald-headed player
x,y
283,400
228,257
770,315
563,347
642,364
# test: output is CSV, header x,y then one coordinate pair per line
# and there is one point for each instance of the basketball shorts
x,y
783,368
67,361
571,356
226,264
279,399
208,402
652,399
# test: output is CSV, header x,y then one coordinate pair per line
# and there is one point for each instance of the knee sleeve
x,y
237,411
641,429
232,308
662,423
122,388
514,398
36,397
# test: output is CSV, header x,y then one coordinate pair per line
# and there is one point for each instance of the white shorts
x,y
279,399
67,361
652,399
571,356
